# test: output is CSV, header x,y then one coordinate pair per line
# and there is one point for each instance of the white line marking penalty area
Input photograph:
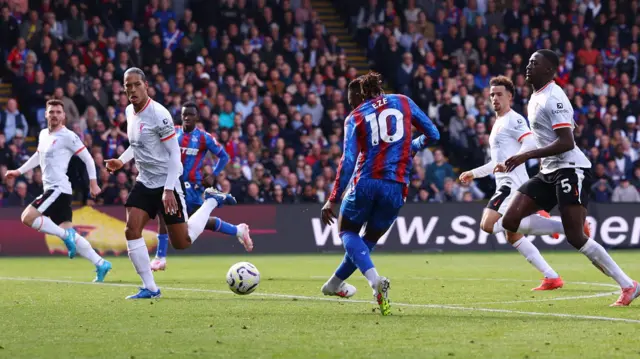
x,y
310,298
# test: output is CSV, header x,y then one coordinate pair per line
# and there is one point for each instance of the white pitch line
x,y
588,296
288,296
597,295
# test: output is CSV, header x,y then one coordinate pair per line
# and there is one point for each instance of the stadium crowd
x,y
271,83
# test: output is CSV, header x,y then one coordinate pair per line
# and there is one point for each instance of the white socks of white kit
x,y
538,225
83,247
533,256
44,224
534,224
139,256
198,220
599,256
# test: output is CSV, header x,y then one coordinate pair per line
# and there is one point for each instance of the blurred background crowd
x,y
270,79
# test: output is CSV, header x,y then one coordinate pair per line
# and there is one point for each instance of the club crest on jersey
x,y
141,126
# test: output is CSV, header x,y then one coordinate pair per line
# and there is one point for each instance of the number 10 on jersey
x,y
379,128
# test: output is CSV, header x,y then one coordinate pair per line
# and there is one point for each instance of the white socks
x,y
139,256
198,221
84,249
44,224
334,283
533,256
538,225
599,256
372,277
534,224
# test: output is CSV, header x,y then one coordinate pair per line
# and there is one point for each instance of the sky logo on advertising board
x,y
463,230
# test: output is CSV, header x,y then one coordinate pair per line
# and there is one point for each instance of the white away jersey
x,y
55,150
147,130
550,109
505,141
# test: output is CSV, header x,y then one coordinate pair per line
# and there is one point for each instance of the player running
x,y
194,145
158,188
376,163
511,135
565,173
51,212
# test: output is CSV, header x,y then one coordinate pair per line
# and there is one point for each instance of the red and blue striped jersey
x,y
193,148
377,141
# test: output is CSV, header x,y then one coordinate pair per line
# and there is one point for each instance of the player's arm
x,y
32,162
562,124
115,164
345,171
216,149
167,134
421,121
478,172
347,162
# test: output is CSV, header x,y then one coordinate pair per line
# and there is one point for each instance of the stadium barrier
x,y
298,229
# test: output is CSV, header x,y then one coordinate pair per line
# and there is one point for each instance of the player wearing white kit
x,y
51,212
158,188
565,174
511,135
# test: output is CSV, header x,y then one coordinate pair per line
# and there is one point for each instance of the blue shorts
x,y
375,202
193,196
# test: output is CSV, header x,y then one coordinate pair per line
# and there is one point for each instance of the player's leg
x,y
492,219
34,217
572,186
536,224
60,213
389,199
183,232
142,205
354,210
160,261
139,254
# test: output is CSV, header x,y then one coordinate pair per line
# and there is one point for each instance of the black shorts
x,y
55,205
150,201
496,202
566,186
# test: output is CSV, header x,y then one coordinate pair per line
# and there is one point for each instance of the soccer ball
x,y
243,278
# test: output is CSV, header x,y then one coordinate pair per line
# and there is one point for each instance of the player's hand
x,y
12,174
169,202
500,167
466,177
514,161
94,189
113,164
329,212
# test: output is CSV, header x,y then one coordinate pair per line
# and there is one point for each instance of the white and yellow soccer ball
x,y
243,278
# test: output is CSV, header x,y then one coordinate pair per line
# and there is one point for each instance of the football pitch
x,y
443,305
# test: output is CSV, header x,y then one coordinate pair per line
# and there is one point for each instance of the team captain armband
x,y
165,129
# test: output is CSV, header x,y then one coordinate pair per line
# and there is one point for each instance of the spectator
x,y
601,191
126,36
11,120
19,197
438,171
624,192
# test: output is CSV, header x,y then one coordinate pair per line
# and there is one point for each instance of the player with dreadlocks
x,y
376,165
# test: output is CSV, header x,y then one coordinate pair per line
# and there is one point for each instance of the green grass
x,y
199,318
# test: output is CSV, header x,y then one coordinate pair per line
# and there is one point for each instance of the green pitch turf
x,y
444,306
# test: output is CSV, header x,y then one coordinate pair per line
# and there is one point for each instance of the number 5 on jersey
x,y
379,128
